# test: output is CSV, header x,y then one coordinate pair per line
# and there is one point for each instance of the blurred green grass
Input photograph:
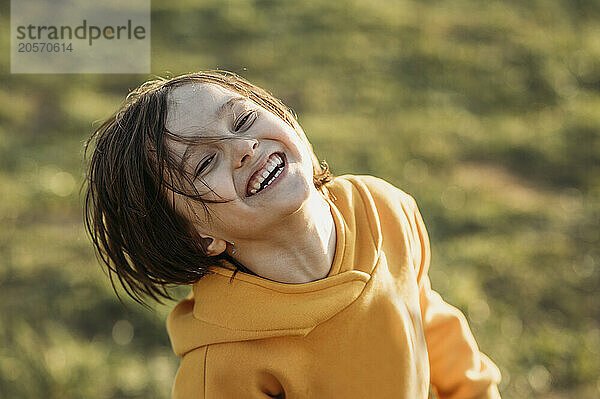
x,y
488,113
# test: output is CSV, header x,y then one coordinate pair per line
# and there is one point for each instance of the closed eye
x,y
203,166
246,119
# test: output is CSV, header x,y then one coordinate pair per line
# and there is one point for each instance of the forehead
x,y
194,106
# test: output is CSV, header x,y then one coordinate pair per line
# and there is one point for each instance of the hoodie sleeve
x,y
458,369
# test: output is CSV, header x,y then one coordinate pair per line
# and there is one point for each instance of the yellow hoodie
x,y
373,328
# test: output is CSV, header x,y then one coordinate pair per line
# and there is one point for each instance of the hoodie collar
x,y
222,309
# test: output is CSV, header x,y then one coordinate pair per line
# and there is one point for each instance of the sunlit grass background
x,y
487,112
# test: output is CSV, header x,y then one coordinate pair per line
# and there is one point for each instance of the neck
x,y
300,250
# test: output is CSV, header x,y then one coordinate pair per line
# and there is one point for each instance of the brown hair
x,y
143,242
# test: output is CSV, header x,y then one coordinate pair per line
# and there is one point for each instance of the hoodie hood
x,y
249,307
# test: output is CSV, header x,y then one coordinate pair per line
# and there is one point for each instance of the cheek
x,y
296,143
218,186
210,189
305,153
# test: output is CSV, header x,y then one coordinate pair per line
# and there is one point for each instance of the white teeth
x,y
274,161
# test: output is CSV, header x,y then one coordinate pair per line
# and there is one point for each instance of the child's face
x,y
228,166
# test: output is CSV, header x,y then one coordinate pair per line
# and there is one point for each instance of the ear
x,y
213,246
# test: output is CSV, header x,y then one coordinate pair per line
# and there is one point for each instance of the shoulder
x,y
399,218
396,211
383,193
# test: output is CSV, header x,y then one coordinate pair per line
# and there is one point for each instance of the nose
x,y
244,150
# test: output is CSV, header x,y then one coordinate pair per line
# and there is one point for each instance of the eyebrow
x,y
228,104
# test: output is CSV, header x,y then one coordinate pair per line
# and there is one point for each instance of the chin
x,y
299,193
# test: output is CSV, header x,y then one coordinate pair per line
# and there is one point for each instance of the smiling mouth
x,y
266,175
